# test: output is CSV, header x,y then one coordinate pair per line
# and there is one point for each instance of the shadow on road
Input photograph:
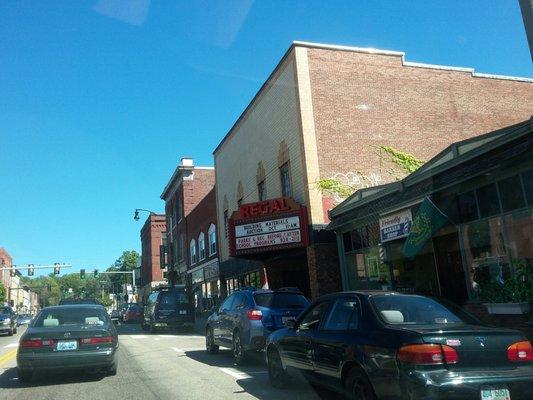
x,y
255,381
136,329
9,379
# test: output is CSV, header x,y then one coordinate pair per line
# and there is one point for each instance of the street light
x,y
137,210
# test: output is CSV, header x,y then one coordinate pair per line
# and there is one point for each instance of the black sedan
x,y
66,338
385,345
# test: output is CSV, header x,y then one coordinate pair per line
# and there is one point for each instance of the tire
x,y
277,375
10,332
24,376
15,330
357,385
238,350
144,326
210,345
112,370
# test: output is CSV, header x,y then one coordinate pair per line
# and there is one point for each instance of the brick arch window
x,y
192,252
201,246
212,236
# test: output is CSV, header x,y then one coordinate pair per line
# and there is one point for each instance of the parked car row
x,y
375,345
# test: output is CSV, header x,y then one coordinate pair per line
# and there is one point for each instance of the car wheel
x,y
239,353
15,330
277,375
210,345
10,332
358,386
24,376
112,371
144,326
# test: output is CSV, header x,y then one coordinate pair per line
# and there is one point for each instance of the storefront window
x,y
519,227
511,193
485,252
488,201
467,206
366,269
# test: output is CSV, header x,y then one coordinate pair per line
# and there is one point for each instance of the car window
x,y
414,310
344,315
239,302
281,300
71,316
227,303
314,316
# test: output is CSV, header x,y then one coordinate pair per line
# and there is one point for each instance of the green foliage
x,y
2,293
126,262
514,290
407,163
335,187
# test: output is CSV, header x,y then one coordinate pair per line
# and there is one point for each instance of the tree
x,y
126,262
2,293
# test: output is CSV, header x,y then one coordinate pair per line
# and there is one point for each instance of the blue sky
x,y
99,101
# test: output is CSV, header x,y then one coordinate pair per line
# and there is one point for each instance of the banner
x,y
426,223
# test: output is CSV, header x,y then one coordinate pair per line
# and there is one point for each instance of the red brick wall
x,y
417,110
199,220
324,272
8,262
196,189
151,234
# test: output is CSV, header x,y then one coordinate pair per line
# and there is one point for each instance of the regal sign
x,y
268,226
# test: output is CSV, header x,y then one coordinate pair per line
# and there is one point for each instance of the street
x,y
159,366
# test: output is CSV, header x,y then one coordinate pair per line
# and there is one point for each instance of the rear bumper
x,y
467,385
56,361
175,322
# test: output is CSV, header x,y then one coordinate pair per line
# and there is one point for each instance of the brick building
x,y
186,188
326,113
153,236
203,253
5,262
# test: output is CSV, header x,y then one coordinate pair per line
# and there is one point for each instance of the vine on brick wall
x,y
400,165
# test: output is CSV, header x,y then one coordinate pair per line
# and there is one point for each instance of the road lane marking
x,y
10,355
156,338
234,373
177,350
11,345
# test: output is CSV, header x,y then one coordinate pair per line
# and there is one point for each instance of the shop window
x,y
181,248
447,204
511,193
201,245
347,240
212,239
357,239
261,190
286,189
519,227
488,202
467,206
193,254
373,234
527,180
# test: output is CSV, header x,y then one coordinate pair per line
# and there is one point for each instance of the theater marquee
x,y
268,226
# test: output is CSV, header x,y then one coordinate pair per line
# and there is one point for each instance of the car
x,y
134,313
24,319
378,344
168,307
63,302
114,315
122,311
8,320
69,337
248,316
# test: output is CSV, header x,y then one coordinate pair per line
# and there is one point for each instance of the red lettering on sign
x,y
267,207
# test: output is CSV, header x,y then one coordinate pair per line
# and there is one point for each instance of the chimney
x,y
187,162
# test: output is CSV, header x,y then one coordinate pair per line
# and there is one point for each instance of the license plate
x,y
495,394
67,345
183,312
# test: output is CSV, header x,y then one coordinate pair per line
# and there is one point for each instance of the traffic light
x,y
30,270
82,274
57,270
96,273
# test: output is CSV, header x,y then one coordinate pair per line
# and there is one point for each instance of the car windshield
x,y
70,316
412,310
169,300
281,300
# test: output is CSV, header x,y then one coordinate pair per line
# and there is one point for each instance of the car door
x,y
335,340
297,349
220,325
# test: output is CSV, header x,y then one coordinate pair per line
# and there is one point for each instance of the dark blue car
x,y
248,316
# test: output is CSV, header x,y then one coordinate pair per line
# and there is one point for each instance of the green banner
x,y
426,223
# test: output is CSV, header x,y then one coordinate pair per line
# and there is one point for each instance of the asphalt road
x,y
159,366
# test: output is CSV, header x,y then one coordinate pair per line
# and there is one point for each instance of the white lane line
x,y
11,345
156,338
138,337
177,350
234,373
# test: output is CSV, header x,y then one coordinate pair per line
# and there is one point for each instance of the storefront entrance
x,y
450,268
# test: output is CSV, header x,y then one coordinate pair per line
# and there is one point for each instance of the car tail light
x,y
427,354
254,315
520,351
97,340
36,343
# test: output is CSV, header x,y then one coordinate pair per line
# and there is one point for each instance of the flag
x,y
426,223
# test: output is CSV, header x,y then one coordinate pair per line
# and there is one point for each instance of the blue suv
x,y
248,316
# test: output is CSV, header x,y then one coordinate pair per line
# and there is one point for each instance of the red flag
x,y
265,285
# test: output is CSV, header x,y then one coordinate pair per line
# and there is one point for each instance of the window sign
x,y
395,226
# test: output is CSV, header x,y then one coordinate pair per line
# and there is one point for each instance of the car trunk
x,y
476,346
280,315
67,333
174,305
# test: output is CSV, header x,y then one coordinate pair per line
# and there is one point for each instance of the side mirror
x,y
291,324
